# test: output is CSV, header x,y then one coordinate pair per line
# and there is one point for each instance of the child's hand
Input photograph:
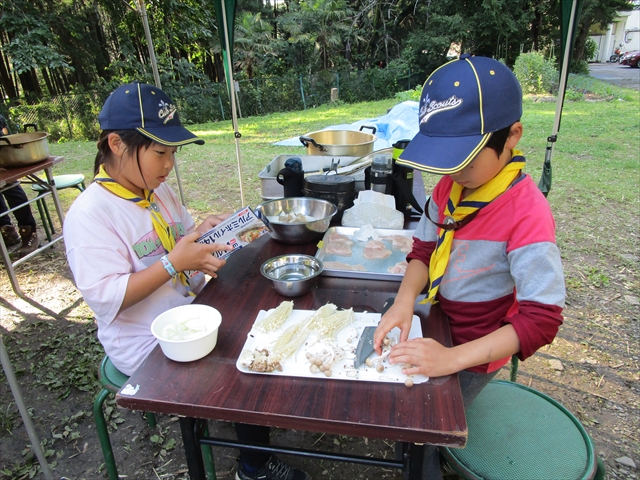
x,y
400,315
210,222
427,357
190,255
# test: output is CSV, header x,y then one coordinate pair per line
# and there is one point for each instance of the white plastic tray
x,y
299,366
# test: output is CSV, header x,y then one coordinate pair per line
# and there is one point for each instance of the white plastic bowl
x,y
193,348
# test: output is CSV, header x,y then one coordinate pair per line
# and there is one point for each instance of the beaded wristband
x,y
168,266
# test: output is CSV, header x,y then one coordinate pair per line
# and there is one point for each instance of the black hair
x,y
499,139
132,139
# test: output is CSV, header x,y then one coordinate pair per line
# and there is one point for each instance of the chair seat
x,y
110,377
71,180
518,433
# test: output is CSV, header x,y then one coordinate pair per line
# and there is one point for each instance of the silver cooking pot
x,y
347,143
23,149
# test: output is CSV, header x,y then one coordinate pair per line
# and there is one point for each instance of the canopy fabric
x,y
226,34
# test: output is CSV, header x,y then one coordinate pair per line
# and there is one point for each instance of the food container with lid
x,y
337,189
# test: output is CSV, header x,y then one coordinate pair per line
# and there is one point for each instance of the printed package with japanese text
x,y
241,228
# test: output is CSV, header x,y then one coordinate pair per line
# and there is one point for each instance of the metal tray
x,y
376,269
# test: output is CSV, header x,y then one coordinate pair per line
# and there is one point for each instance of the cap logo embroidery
x,y
430,108
167,111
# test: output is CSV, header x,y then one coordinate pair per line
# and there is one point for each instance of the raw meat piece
x,y
338,237
400,242
344,266
400,267
339,248
375,250
338,244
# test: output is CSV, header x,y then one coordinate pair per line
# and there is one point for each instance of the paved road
x,y
621,75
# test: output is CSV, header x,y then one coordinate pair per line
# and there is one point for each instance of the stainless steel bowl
x,y
297,233
292,275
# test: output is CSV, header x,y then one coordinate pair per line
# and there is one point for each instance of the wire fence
x,y
74,116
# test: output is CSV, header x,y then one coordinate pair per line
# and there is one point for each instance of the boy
x,y
485,245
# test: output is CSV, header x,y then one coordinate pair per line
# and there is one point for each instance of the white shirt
x,y
107,239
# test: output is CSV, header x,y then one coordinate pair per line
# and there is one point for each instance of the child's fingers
x,y
378,337
191,237
217,247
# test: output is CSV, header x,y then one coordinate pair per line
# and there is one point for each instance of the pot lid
x,y
334,183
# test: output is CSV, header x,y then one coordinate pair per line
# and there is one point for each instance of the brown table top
x,y
12,174
213,388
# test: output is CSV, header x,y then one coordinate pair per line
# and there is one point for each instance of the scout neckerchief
x,y
458,213
160,225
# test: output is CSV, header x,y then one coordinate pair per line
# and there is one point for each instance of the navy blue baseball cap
x,y
147,109
462,103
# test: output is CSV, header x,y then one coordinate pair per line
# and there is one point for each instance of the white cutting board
x,y
297,365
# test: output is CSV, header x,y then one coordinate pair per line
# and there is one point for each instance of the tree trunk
x,y
30,85
581,38
102,58
7,81
47,80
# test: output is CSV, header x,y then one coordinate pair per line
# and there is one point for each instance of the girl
x,y
132,246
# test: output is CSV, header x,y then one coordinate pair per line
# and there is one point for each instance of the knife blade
x,y
365,344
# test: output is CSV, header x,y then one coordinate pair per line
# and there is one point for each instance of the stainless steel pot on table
x,y
340,142
23,149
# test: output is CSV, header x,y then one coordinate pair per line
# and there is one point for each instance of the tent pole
x,y
231,86
156,77
24,413
545,181
564,72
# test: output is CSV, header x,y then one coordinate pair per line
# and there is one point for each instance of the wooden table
x,y
213,388
29,175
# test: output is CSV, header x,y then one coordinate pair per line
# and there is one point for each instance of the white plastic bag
x,y
375,209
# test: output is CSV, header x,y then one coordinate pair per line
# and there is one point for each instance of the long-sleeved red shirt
x,y
504,268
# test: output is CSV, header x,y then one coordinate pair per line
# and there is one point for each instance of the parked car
x,y
631,58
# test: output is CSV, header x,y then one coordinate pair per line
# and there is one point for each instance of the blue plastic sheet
x,y
401,122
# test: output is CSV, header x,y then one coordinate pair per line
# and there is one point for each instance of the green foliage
x,y
590,49
409,94
535,73
580,67
69,117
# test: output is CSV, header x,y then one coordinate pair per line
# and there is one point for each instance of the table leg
x,y
192,449
54,192
415,454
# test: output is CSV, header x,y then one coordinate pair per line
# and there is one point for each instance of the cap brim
x,y
172,136
442,155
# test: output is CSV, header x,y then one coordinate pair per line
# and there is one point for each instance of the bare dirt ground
x,y
591,368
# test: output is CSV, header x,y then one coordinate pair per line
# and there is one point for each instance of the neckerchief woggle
x,y
458,210
160,225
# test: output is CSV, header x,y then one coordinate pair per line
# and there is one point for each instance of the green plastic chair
x,y
112,380
518,433
74,180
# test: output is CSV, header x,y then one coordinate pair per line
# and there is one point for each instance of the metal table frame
x,y
28,175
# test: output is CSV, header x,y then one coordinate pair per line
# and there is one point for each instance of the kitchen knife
x,y
365,344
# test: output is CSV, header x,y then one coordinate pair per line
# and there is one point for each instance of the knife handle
x,y
387,305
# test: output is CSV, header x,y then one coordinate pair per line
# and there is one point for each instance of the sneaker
x,y
274,469
10,235
29,241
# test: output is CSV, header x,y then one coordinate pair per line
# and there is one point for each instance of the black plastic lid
x,y
401,144
334,183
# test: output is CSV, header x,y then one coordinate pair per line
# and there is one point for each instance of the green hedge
x,y
74,116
